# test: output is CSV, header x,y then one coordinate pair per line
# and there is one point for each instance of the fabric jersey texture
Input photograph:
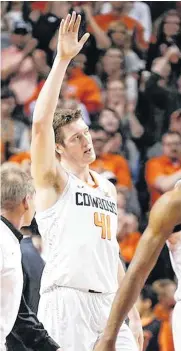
x,y
79,238
81,254
76,319
175,257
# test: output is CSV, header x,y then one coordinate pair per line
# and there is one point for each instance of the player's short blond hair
x,y
15,186
61,119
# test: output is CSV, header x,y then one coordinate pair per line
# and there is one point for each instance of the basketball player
x,y
164,216
76,216
174,245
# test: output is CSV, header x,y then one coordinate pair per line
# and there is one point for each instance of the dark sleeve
x,y
32,333
158,95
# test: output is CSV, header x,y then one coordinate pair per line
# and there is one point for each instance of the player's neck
x,y
82,173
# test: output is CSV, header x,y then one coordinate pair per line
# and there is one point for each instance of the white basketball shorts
x,y
76,319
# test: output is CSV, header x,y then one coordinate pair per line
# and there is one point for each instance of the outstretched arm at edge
x,y
165,214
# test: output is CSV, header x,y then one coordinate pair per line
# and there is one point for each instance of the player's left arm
x,y
134,317
164,216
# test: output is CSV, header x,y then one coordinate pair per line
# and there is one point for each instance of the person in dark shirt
x,y
151,326
33,266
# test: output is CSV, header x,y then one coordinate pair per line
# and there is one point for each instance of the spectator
x,y
7,126
15,126
113,69
159,94
116,100
174,126
82,87
163,172
45,25
112,66
128,234
22,45
17,11
118,13
151,325
168,33
163,311
116,165
140,11
119,139
42,69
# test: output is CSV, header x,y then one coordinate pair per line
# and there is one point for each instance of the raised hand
x,y
68,45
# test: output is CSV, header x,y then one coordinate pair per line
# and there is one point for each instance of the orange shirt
x,y
128,246
85,89
156,167
115,164
20,157
132,25
2,146
165,337
39,5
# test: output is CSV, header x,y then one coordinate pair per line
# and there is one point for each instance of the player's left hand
x,y
68,44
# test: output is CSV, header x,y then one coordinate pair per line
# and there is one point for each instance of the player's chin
x,y
90,157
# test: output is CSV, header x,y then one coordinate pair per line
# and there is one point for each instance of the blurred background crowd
x,y
127,83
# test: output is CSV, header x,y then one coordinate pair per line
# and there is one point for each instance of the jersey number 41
x,y
103,221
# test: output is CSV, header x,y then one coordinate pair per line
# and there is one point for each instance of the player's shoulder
x,y
112,189
169,199
106,184
167,210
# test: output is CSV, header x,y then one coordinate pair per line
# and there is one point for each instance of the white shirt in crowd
x,y
11,281
141,12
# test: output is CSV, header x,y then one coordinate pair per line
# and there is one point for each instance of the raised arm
x,y
165,214
43,141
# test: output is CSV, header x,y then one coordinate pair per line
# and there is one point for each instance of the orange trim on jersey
x,y
94,180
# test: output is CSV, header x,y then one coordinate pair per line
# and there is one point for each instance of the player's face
x,y
78,143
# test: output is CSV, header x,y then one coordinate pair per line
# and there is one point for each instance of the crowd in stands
x,y
127,83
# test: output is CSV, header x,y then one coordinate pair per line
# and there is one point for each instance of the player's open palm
x,y
68,44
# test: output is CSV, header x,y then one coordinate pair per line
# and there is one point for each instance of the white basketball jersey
x,y
79,238
175,257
